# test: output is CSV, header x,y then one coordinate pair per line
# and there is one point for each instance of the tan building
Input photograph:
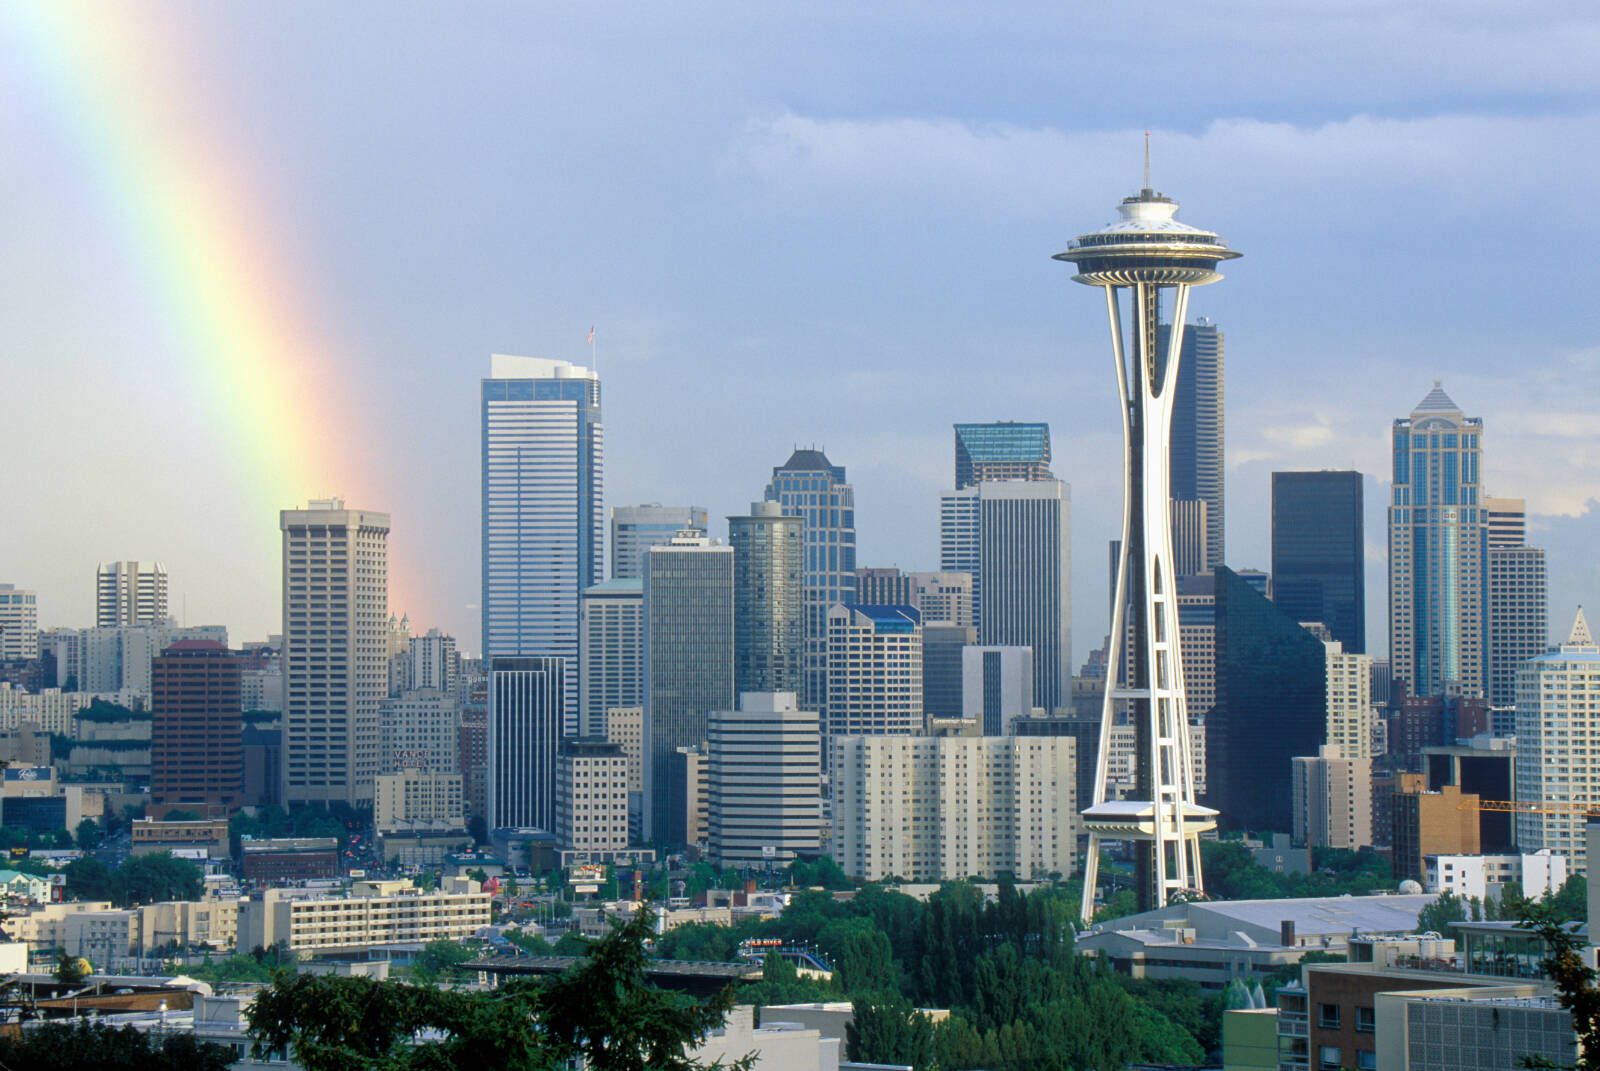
x,y
49,710
1349,698
591,796
415,799
930,808
625,727
375,913
150,836
1332,800
1426,823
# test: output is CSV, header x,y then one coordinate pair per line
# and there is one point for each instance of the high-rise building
x,y
997,687
1436,548
1005,450
130,593
196,751
1189,535
884,586
1519,621
525,707
592,797
1169,385
1015,540
19,623
1507,520
433,662
943,693
688,661
769,593
611,651
421,731
543,517
941,597
419,802
763,781
1332,799
874,672
1558,736
1197,452
335,654
1318,552
625,728
635,529
927,808
810,486
1349,698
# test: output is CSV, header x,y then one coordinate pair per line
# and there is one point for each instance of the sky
x,y
254,254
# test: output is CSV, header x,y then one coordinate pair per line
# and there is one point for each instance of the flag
x,y
591,335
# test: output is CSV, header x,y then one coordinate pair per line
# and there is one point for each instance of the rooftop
x,y
1437,401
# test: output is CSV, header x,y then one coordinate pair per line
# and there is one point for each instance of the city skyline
x,y
400,356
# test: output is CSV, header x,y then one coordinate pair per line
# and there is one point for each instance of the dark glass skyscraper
x,y
1002,451
1197,430
769,625
1318,571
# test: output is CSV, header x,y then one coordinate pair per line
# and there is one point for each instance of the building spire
x,y
1580,636
1147,159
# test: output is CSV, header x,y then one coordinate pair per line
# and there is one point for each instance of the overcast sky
x,y
828,228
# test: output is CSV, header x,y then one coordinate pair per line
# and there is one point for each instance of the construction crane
x,y
1530,807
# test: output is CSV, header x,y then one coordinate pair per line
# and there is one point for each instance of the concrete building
x,y
810,486
763,782
1437,534
592,797
1519,617
941,597
625,728
375,913
130,593
925,808
689,658
610,651
19,623
196,743
769,593
543,510
1438,822
943,690
1332,800
420,730
874,672
635,529
525,712
413,800
1482,877
1004,450
1483,766
1558,736
996,687
335,615
1188,536
433,662
1349,699
688,810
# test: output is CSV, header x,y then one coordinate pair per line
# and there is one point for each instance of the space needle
x,y
1155,259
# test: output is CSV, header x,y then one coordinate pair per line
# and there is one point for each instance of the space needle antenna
x,y
1147,160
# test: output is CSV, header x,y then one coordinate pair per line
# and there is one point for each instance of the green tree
x,y
890,1031
1571,903
64,1047
70,969
820,873
440,960
89,835
1574,980
1437,916
147,879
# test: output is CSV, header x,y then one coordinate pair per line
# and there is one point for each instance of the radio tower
x,y
1156,259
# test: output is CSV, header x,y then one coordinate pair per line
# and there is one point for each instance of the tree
x,y
70,970
89,835
440,960
1574,980
890,1031
1437,916
823,873
63,1047
147,879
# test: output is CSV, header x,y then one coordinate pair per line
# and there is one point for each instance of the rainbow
x,y
116,91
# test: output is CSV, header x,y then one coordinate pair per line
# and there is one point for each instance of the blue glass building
x,y
1001,451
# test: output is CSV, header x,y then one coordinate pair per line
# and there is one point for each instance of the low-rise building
x,y
415,799
290,859
375,913
1482,877
150,836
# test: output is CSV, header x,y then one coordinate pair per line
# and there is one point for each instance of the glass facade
x,y
1001,451
1197,443
1318,553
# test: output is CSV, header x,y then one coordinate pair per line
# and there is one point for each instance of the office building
x,y
996,687
1197,636
1558,737
943,690
1485,767
1437,532
1271,707
1319,553
1349,697
688,663
592,796
1189,536
1484,877
1015,540
19,623
625,728
687,812
811,487
635,529
874,672
335,668
763,782
433,662
374,913
472,751
543,517
941,597
769,599
611,651
1442,821
1005,450
1519,624
1332,799
525,707
1198,439
421,730
196,750
1507,521
926,808
418,801
130,593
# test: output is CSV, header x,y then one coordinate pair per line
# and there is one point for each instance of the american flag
x,y
591,335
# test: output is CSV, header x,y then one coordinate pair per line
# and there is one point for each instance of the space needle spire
x,y
1146,260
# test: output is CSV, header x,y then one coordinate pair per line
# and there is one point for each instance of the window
x,y
1366,1020
1328,1016
1366,1061
1328,1057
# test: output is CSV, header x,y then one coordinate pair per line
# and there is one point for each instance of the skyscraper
x,y
543,518
763,781
1147,252
810,486
335,650
525,701
1558,735
1436,549
1002,451
130,593
1507,519
611,647
635,529
874,672
196,747
1319,553
1519,620
688,662
769,625
1189,536
19,623
1197,430
1015,539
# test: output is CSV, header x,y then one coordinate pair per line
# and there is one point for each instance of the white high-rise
x,y
335,653
433,661
19,623
420,731
874,671
543,513
763,781
1349,701
610,652
1558,737
130,593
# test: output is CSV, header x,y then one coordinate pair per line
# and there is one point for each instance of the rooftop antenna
x,y
1147,159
